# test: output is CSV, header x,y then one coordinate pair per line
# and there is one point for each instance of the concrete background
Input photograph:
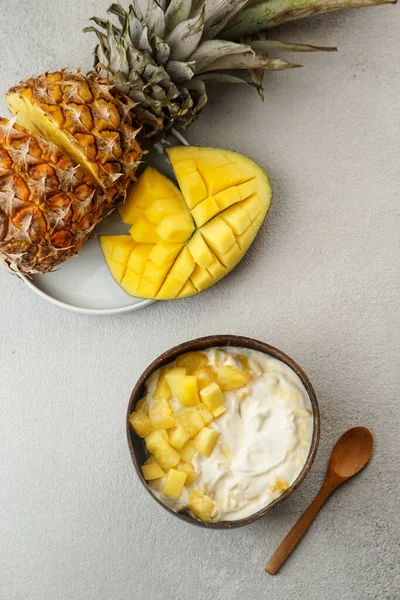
x,y
321,282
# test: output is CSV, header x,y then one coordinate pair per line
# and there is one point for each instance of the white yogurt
x,y
264,441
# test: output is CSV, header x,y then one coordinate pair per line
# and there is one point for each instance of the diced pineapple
x,y
162,415
175,228
167,457
192,361
205,376
179,437
205,440
188,451
191,474
212,396
201,505
141,405
217,412
164,434
162,388
174,482
143,231
155,440
140,423
200,251
205,414
191,419
176,381
229,378
191,393
164,252
152,471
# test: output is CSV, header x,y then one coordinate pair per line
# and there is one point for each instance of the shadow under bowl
x,y
137,447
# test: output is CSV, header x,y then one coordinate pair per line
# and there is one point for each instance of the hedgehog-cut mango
x,y
183,240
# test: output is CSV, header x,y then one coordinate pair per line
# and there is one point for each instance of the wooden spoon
x,y
350,454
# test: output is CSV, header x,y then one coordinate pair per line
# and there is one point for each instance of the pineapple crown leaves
x,y
162,53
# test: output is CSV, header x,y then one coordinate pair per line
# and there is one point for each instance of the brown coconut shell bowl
x,y
137,448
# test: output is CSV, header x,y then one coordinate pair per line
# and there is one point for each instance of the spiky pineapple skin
x,y
48,205
95,118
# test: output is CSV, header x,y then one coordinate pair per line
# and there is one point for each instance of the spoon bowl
x,y
351,452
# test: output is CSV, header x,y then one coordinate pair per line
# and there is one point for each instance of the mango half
x,y
182,241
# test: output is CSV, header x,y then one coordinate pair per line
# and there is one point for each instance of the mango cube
x,y
162,388
237,218
201,505
191,393
193,188
174,482
191,474
164,252
188,451
199,250
204,211
205,413
201,278
212,396
175,228
152,471
179,437
138,258
143,231
191,420
218,235
163,207
229,378
227,197
192,361
188,290
140,423
205,440
176,381
161,415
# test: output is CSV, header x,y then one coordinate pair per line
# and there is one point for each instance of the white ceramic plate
x,y
83,283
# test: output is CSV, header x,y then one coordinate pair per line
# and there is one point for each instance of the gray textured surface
x,y
321,283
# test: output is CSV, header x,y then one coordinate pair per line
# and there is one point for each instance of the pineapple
x,y
174,482
212,396
191,474
152,471
164,54
161,415
140,423
192,361
48,204
63,167
188,451
87,120
229,378
201,505
233,194
165,455
179,437
191,393
205,440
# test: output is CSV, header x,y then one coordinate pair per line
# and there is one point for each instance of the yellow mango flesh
x,y
185,240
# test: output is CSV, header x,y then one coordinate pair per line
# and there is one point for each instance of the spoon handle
x,y
299,529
